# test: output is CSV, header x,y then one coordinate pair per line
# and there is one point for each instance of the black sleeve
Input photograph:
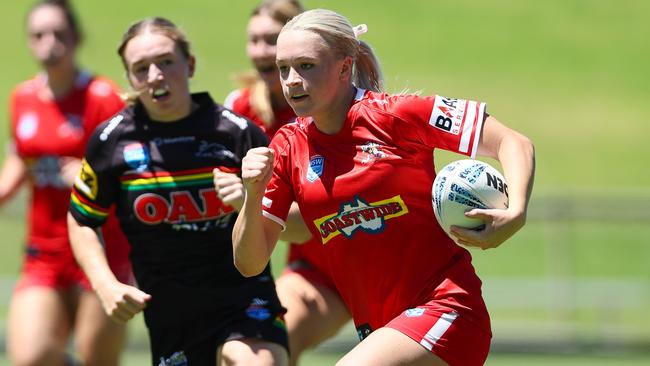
x,y
96,186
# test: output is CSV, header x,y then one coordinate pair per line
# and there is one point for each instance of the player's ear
x,y
346,68
191,64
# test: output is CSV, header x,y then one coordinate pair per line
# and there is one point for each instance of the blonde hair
x,y
260,96
154,25
340,36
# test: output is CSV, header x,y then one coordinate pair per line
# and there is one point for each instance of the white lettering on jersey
x,y
110,127
447,114
239,121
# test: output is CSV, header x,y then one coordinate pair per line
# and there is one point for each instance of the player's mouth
x,y
159,93
299,97
266,68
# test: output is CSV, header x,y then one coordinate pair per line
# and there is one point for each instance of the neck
x,y
181,112
331,121
60,80
278,101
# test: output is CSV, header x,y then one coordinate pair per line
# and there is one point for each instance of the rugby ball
x,y
463,185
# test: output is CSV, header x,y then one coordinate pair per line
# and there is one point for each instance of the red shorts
x,y
53,269
58,269
450,335
453,321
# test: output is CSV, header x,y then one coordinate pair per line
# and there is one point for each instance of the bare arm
x,y
120,301
12,176
516,154
296,231
254,237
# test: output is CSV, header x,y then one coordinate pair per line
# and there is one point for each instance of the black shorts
x,y
188,324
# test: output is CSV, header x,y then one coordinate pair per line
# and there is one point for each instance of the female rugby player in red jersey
x,y
315,311
52,117
359,164
154,160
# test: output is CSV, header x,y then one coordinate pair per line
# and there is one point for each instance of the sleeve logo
x,y
86,181
447,114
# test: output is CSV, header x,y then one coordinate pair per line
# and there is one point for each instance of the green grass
x,y
570,74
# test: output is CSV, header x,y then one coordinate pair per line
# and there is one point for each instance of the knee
x,y
36,357
253,352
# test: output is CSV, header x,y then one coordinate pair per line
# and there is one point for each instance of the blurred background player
x,y
154,160
359,164
315,311
52,117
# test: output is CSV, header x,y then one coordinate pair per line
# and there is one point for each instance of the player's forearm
x,y
517,157
296,231
251,248
12,176
89,253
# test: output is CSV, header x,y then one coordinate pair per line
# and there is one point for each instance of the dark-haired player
x,y
155,161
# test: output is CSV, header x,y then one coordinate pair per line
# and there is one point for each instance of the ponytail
x,y
367,72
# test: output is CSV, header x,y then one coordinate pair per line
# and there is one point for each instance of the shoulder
x,y
383,103
237,99
290,134
101,88
27,88
112,129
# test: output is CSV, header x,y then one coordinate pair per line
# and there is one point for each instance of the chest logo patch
x,y
27,126
315,170
358,215
136,156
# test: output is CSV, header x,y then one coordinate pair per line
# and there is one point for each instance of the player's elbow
x,y
247,269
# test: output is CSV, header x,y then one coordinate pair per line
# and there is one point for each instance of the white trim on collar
x,y
360,94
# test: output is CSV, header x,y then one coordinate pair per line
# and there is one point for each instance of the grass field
x,y
570,74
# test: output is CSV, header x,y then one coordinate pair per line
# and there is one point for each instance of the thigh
x,y
98,339
315,312
456,336
251,351
39,325
386,347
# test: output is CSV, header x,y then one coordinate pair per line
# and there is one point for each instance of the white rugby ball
x,y
463,185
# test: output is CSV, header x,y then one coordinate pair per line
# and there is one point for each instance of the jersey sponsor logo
x,y
86,180
315,170
46,172
136,156
258,309
239,121
373,151
181,207
176,359
447,114
27,126
360,215
110,127
161,141
415,312
213,150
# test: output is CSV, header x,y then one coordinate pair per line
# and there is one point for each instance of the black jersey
x,y
160,176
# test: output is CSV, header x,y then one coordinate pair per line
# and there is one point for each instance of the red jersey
x,y
45,130
310,251
365,193
240,102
